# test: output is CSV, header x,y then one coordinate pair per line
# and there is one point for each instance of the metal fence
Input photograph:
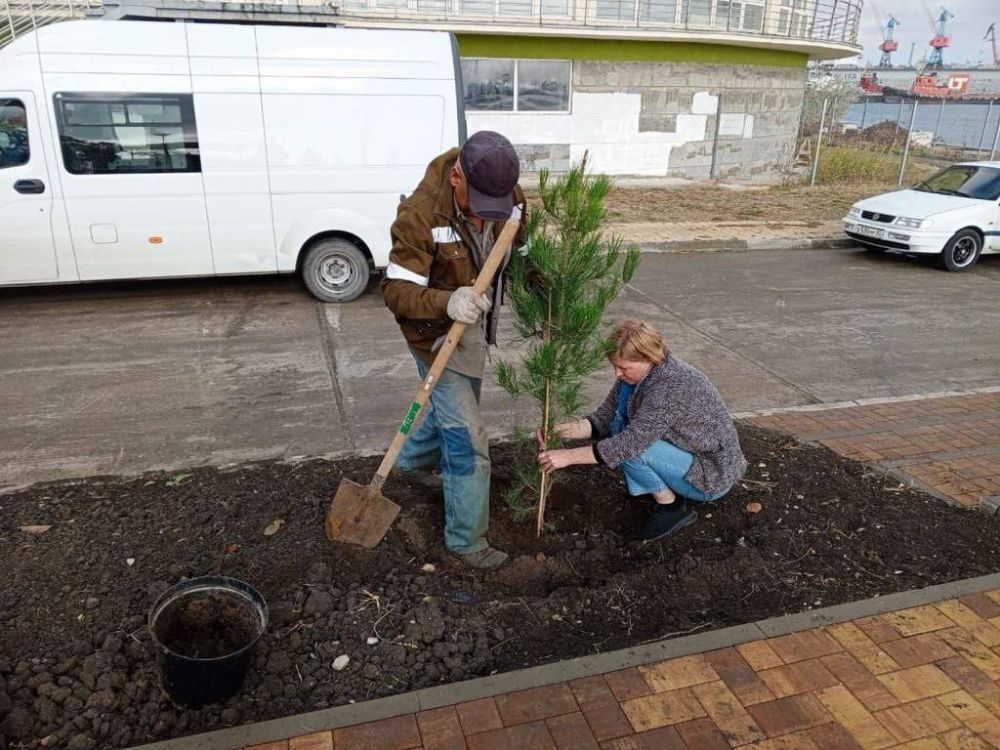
x,y
18,17
753,135
834,21
843,136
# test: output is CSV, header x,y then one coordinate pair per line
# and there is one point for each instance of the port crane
x,y
941,39
991,34
889,45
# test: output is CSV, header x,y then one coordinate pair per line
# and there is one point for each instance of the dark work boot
x,y
425,478
665,520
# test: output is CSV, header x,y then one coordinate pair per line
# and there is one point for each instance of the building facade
x,y
670,88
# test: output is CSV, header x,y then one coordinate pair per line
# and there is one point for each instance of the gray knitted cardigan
x,y
677,403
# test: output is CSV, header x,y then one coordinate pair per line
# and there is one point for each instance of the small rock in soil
x,y
282,613
17,725
80,742
319,573
279,662
155,589
319,603
103,700
341,662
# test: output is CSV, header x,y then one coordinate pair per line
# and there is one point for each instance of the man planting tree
x,y
441,238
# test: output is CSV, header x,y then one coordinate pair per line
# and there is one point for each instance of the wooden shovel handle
x,y
481,285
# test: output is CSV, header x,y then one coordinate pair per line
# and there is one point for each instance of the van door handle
x,y
29,186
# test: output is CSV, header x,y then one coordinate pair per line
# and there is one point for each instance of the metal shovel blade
x,y
359,514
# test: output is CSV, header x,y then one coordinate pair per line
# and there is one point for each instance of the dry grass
x,y
714,203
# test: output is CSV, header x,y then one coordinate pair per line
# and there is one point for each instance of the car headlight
x,y
903,221
927,223
854,212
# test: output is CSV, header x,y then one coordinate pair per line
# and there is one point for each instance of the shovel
x,y
361,514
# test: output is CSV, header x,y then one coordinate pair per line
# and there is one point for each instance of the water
x,y
957,124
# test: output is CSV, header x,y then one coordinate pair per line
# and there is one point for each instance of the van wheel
x,y
962,250
335,270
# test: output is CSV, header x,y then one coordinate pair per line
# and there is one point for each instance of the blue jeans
x,y
453,436
663,465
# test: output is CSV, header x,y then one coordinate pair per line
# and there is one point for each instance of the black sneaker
x,y
665,520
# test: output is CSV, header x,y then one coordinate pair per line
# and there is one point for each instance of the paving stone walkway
x,y
949,446
923,678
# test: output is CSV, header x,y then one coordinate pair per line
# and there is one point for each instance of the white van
x,y
135,149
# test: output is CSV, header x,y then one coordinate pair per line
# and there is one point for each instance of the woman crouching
x,y
664,425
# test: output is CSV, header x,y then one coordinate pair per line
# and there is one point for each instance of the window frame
x,y
515,85
188,126
14,101
793,18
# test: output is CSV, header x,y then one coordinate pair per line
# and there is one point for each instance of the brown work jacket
x,y
433,255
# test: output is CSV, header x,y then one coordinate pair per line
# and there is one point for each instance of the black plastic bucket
x,y
206,630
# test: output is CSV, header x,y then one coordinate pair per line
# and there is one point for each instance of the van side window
x,y
13,133
127,133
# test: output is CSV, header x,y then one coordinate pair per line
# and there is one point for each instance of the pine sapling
x,y
561,286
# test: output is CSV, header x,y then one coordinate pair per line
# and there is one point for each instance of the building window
x,y
489,85
658,10
616,10
475,7
543,85
514,7
127,134
731,15
13,133
698,12
516,85
793,17
555,7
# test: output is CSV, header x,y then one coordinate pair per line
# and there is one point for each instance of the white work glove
x,y
465,305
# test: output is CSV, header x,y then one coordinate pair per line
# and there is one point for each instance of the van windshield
x,y
13,133
966,181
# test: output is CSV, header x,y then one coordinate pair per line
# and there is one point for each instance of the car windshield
x,y
966,181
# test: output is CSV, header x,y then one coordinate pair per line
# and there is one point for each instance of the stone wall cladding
x,y
538,156
772,96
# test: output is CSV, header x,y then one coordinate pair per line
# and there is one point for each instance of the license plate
x,y
871,231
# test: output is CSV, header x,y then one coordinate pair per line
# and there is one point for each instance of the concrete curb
x,y
738,246
571,669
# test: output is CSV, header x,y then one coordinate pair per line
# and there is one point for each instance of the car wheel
x,y
335,270
962,250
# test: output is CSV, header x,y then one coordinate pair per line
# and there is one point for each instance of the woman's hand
x,y
549,461
578,430
554,460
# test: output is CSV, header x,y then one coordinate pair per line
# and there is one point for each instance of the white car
x,y
955,215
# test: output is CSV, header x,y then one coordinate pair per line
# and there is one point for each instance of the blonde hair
x,y
636,341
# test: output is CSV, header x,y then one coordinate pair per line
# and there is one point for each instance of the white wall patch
x,y
704,104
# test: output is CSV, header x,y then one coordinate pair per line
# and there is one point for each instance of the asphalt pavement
x,y
129,377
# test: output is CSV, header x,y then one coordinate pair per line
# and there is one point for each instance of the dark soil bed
x,y
77,666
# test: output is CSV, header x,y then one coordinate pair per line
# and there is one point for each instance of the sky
x,y
967,28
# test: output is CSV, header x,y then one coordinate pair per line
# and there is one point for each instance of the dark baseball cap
x,y
491,169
